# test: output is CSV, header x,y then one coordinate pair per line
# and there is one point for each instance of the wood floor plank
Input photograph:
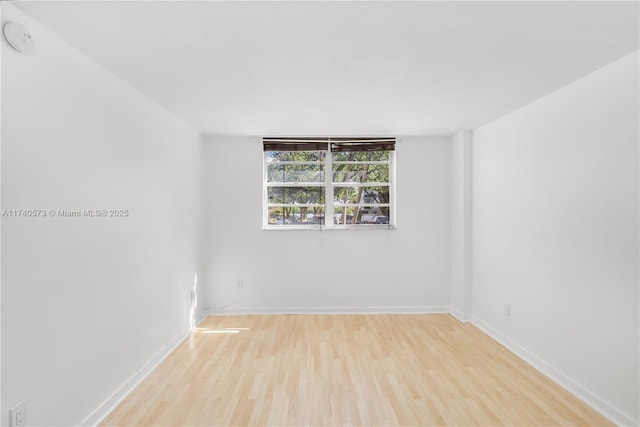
x,y
355,370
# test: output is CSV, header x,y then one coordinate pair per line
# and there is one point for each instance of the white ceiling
x,y
344,68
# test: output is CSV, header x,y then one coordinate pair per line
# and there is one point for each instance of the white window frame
x,y
329,187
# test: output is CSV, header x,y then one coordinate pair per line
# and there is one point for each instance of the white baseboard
x,y
229,311
464,318
106,407
578,390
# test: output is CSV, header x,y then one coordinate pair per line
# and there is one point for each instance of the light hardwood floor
x,y
335,370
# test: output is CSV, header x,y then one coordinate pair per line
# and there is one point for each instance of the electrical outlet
x,y
507,310
18,415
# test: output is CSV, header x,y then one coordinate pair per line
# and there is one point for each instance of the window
x,y
325,183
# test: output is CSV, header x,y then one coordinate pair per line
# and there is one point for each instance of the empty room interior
x,y
320,213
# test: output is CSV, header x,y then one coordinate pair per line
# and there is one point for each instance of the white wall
x,y
555,218
461,199
86,302
349,270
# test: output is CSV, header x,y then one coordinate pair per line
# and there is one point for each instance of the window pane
x,y
373,215
296,216
356,215
361,156
360,173
295,173
343,215
295,156
295,194
349,195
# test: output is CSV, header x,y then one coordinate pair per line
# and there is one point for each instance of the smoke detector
x,y
18,37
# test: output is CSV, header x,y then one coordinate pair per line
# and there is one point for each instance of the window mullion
x,y
295,184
